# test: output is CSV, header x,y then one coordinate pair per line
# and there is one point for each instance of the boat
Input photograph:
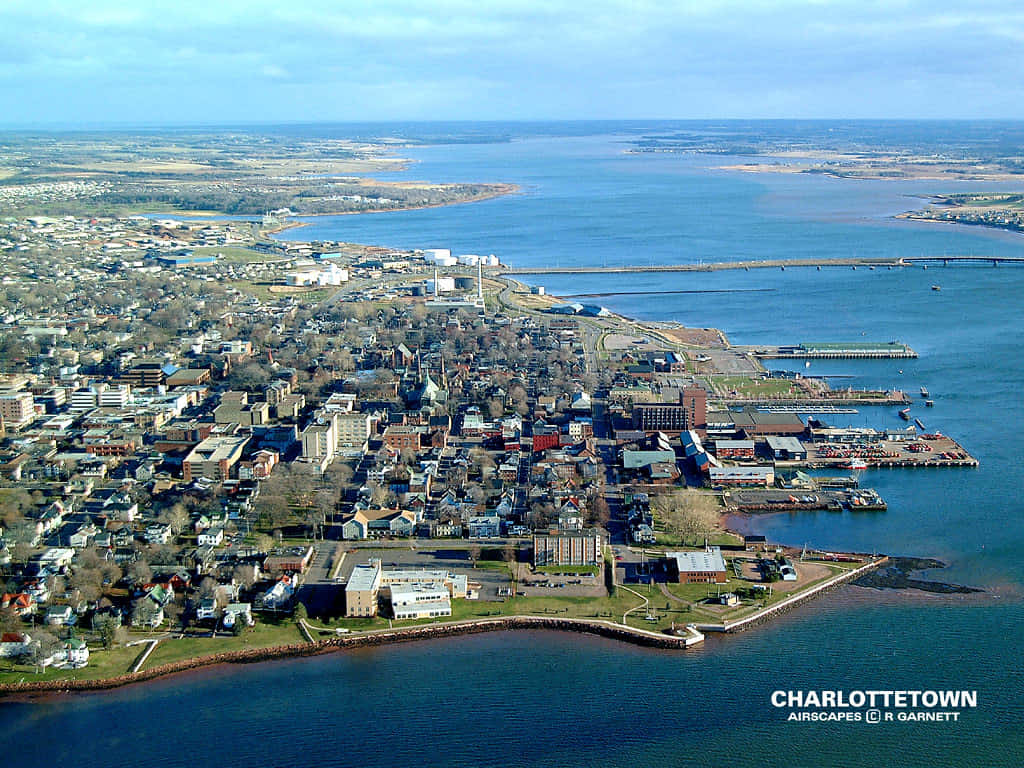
x,y
855,464
919,423
924,391
905,414
936,287
929,403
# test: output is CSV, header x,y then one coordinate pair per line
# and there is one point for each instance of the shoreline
x,y
597,627
661,640
502,189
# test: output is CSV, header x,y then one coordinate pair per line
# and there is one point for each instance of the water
x,y
544,699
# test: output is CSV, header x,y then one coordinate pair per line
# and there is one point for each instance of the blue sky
x,y
158,62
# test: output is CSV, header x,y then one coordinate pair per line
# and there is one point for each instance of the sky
x,y
216,61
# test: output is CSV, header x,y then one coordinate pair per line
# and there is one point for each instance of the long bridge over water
x,y
851,261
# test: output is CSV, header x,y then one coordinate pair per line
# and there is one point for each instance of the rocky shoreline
x,y
896,575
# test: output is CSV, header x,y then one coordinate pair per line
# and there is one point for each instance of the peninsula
x,y
295,447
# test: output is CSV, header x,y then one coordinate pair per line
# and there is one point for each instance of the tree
x,y
176,517
139,572
301,614
107,629
44,646
474,553
687,514
339,474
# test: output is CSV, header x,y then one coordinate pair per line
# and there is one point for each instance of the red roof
x,y
12,637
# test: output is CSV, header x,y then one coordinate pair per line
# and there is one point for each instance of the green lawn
x,y
263,635
231,254
116,661
747,386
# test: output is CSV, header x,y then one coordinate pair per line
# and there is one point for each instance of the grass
x,y
230,254
746,386
492,565
721,539
263,635
102,664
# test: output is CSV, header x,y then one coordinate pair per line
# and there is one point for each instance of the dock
x,y
891,350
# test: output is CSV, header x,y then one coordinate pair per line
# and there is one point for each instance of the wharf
x,y
930,451
833,351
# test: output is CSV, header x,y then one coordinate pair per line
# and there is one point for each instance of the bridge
x,y
850,261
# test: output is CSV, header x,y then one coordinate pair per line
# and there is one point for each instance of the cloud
x,y
463,59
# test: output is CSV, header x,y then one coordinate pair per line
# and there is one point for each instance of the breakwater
x,y
370,639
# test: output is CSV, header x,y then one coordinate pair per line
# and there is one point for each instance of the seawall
x,y
370,639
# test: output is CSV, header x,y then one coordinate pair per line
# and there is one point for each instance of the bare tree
x,y
687,514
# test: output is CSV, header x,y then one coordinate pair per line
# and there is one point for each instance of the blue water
x,y
541,699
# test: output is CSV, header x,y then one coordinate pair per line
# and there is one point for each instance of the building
x,y
419,601
705,567
214,458
761,477
786,448
319,440
408,593
689,413
364,522
754,423
16,408
295,560
567,548
362,590
734,449
398,437
353,429
235,408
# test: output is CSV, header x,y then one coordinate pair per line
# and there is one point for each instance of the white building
x,y
419,601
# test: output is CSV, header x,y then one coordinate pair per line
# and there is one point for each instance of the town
x,y
213,440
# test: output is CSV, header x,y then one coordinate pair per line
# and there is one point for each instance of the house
x,y
234,612
158,533
484,527
60,616
21,603
211,537
363,523
206,609
15,644
277,597
74,654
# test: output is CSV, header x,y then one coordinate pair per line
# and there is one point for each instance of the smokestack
x,y
436,291
480,280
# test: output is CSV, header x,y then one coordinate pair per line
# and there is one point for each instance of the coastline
x,y
501,191
596,627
